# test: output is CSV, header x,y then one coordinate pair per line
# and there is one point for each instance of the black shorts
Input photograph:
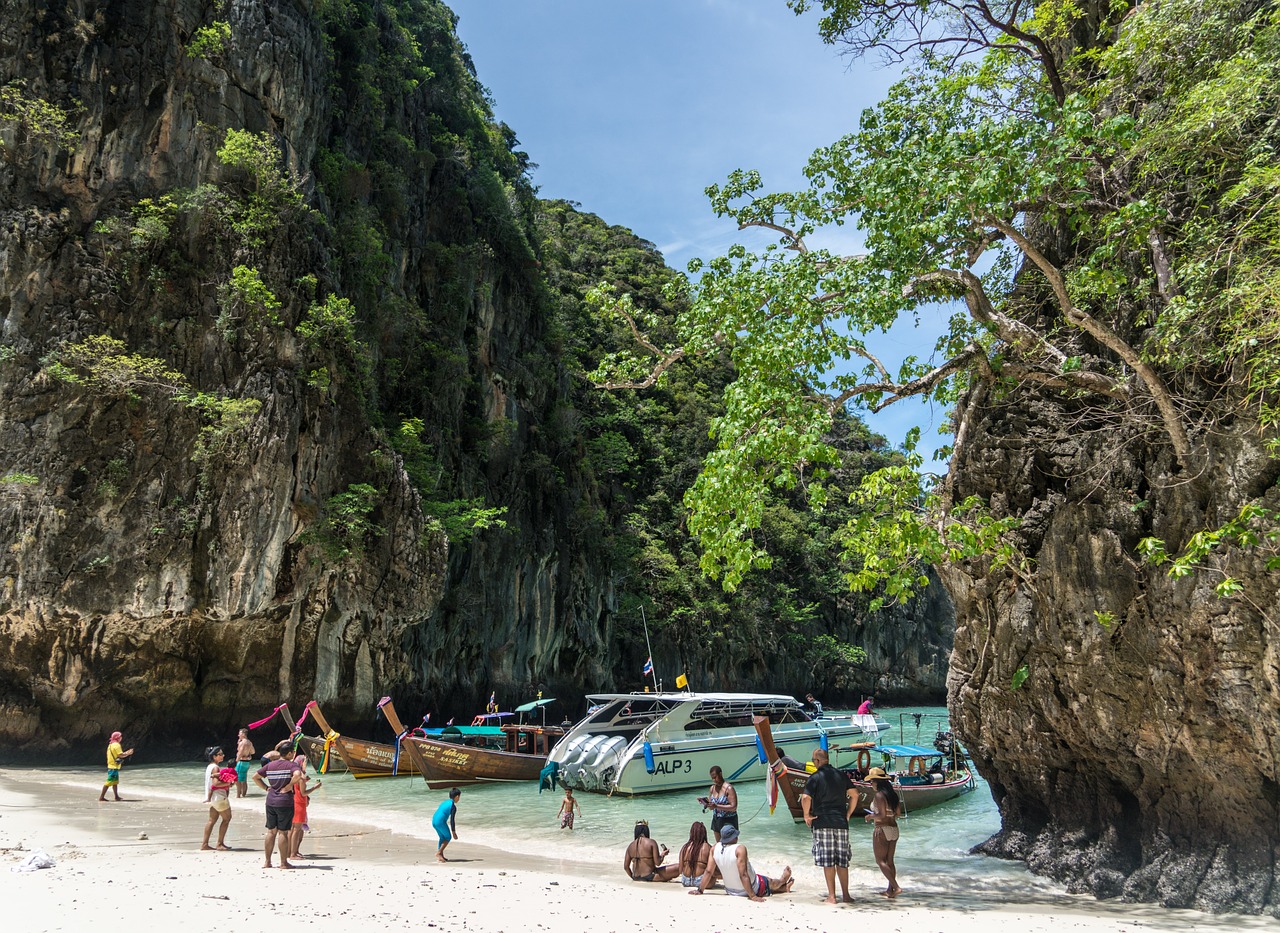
x,y
721,820
280,818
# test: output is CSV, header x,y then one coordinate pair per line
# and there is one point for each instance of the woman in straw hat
x,y
885,810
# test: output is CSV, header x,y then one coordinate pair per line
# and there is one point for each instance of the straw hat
x,y
877,774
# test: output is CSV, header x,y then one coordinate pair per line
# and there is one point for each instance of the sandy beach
x,y
137,865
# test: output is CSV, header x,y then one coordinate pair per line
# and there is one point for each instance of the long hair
x,y
697,839
890,795
642,829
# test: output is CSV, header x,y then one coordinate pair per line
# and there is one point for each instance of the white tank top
x,y
726,857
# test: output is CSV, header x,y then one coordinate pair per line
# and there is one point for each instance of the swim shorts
x,y
721,820
113,776
280,818
242,770
831,847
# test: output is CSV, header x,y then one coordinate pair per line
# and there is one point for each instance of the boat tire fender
x,y
916,766
864,760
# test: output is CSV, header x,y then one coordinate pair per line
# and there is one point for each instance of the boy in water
x,y
567,806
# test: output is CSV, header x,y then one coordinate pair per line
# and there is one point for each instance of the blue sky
x,y
632,108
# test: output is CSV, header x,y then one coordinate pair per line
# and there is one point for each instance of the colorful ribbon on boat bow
x,y
329,739
263,722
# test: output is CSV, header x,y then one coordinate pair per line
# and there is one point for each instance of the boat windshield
x,y
734,714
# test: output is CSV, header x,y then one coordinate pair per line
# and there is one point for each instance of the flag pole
x,y
654,669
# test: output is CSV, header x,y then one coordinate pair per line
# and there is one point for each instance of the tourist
x,y
695,857
817,707
301,797
643,858
567,806
827,802
216,796
445,823
864,708
116,755
722,799
885,810
734,867
278,778
245,753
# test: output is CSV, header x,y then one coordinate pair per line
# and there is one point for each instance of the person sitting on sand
x,y
445,823
216,796
643,858
695,857
740,879
567,806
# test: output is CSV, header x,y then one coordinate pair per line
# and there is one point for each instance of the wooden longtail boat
x,y
447,761
323,756
929,779
366,759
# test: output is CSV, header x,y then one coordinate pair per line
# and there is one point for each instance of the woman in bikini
x,y
723,799
695,857
885,810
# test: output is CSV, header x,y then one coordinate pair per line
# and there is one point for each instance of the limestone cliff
x,y
273,326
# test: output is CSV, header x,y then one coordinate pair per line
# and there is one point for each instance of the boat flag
x,y
682,682
771,788
493,703
450,722
648,667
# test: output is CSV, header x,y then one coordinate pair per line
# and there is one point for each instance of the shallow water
x,y
932,854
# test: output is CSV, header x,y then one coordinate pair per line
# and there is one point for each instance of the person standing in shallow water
x,y
567,806
245,753
723,799
445,823
115,755
885,810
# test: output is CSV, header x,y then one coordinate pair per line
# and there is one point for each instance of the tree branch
x,y
1108,338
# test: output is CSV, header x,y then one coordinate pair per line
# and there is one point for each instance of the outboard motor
x,y
945,742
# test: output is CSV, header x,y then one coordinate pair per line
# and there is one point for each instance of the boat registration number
x,y
674,766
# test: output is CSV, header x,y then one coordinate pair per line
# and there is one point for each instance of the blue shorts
x,y
442,833
242,771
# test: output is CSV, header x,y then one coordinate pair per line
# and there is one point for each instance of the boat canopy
x,y
530,707
907,751
689,697
473,730
494,715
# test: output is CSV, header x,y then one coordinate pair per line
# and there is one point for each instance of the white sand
x,y
107,879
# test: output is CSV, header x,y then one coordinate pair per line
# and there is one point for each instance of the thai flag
x,y
648,667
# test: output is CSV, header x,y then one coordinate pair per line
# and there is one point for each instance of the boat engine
x,y
945,742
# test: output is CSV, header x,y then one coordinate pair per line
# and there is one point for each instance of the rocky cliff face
x,y
242,498
1138,760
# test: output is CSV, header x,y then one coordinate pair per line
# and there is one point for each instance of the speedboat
x,y
644,743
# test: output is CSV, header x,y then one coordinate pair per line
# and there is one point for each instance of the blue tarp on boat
x,y
907,751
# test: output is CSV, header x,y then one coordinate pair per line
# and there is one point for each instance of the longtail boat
x,y
930,778
366,759
322,753
476,754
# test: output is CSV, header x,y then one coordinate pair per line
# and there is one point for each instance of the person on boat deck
x,y
722,799
695,857
734,867
864,708
643,858
245,753
567,806
817,707
828,801
445,823
885,810
215,795
278,777
115,755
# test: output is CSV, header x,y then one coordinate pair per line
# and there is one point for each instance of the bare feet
x,y
441,858
266,865
286,865
222,848
829,899
206,848
787,880
848,900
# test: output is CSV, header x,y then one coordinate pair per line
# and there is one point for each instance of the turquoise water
x,y
932,854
